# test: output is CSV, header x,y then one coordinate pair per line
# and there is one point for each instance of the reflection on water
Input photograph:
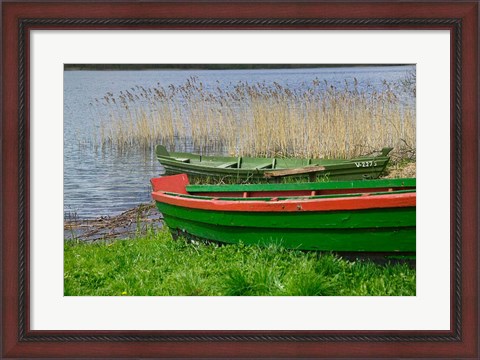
x,y
108,182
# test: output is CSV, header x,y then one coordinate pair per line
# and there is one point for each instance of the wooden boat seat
x,y
228,165
267,165
184,160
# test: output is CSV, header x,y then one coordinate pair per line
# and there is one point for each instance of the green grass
x,y
157,265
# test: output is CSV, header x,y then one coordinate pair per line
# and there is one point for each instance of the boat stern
x,y
173,183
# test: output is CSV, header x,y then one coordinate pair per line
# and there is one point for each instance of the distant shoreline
x,y
129,67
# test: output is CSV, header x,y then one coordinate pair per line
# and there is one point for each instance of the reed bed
x,y
318,120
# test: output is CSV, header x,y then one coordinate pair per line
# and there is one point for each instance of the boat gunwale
x,y
381,162
333,185
173,155
287,197
363,202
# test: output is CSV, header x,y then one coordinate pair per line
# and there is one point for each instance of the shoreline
x,y
137,221
129,224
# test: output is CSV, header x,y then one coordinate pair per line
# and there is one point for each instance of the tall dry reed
x,y
261,119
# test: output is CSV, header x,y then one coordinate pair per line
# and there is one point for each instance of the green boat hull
x,y
371,230
241,168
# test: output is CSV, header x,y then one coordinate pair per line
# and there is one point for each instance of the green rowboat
x,y
347,216
270,169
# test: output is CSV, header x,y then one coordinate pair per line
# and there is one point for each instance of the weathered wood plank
x,y
296,171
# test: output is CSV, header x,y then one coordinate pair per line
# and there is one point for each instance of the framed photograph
x,y
434,45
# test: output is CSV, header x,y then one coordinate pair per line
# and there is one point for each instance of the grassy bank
x,y
156,265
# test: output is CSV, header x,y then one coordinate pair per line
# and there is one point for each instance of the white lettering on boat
x,y
366,163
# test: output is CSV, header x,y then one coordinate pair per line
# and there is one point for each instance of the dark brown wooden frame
x,y
461,18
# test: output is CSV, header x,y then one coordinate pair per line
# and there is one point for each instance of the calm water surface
x,y
106,183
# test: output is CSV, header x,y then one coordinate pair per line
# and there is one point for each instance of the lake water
x,y
107,182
